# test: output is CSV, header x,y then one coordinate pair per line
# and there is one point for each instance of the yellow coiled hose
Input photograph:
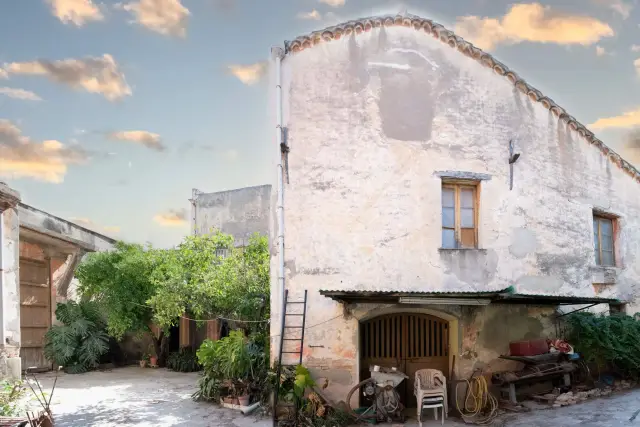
x,y
480,406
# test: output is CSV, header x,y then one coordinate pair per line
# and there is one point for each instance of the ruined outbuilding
x,y
239,212
436,205
39,253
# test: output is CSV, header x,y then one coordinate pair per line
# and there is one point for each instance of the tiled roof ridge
x,y
447,36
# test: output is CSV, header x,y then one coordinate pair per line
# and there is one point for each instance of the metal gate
x,y
408,341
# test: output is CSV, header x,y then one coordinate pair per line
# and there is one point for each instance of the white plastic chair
x,y
432,403
430,384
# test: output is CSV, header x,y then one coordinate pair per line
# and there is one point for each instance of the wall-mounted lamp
x,y
513,157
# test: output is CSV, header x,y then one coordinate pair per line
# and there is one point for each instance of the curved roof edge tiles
x,y
449,37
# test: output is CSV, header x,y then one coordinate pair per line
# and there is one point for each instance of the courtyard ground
x,y
134,396
138,397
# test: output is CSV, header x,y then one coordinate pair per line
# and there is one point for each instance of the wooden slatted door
x,y
35,312
408,341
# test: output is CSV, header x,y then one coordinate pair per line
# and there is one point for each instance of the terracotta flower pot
x,y
243,400
153,361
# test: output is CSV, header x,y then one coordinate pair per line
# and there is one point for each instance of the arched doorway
x,y
407,341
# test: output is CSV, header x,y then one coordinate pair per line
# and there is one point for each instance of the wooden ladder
x,y
286,353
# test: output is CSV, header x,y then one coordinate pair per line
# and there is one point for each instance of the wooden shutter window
x,y
603,241
459,216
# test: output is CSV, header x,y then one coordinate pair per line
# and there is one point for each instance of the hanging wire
x,y
245,321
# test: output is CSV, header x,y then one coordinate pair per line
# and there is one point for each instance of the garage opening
x,y
407,341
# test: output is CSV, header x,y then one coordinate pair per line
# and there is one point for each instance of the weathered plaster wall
x,y
11,290
478,335
240,212
371,121
53,226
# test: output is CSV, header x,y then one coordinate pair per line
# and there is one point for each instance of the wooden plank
x,y
420,330
446,339
33,284
365,340
374,336
430,338
389,339
435,339
35,311
34,262
398,324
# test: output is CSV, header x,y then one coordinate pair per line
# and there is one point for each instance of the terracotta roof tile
x,y
446,36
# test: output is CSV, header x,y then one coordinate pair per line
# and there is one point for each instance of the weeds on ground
x,y
11,393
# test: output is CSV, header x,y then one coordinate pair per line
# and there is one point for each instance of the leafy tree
x,y
121,282
206,276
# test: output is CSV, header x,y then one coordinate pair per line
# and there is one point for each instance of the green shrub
x,y
293,383
10,394
610,342
233,365
184,360
80,341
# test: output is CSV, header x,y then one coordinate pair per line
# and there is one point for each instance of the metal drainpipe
x,y
2,311
193,199
278,53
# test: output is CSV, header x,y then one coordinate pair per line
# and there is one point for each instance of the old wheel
x,y
369,389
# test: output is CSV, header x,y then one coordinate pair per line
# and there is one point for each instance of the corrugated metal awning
x,y
503,296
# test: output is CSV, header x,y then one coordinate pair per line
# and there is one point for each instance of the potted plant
x,y
144,360
153,357
243,400
242,392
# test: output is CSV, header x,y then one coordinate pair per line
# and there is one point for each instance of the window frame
x,y
598,218
457,185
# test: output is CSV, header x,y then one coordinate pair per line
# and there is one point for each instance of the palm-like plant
x,y
79,342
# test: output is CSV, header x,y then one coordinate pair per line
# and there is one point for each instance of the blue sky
x,y
111,112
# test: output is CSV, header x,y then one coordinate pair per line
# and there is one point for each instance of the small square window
x,y
603,241
459,215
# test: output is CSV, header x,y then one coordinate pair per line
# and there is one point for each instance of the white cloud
x,y
533,23
600,51
142,137
627,119
77,12
21,157
636,64
333,3
99,75
620,7
168,17
635,48
3,74
249,74
313,15
87,223
19,94
172,218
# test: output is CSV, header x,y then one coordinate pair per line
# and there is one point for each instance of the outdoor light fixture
x,y
444,301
